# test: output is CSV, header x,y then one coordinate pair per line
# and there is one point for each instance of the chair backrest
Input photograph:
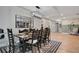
x,y
21,31
47,31
1,31
78,30
11,41
34,35
31,30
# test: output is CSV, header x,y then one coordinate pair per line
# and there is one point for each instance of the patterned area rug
x,y
51,47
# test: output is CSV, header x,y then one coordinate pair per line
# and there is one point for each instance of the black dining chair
x,y
12,45
44,36
48,34
34,41
11,41
40,38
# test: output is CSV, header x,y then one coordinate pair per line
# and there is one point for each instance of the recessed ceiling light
x,y
61,14
64,17
58,20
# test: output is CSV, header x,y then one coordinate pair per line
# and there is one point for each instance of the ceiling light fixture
x,y
37,7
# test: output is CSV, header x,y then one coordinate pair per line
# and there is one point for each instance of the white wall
x,y
37,23
46,23
18,11
49,23
53,26
4,19
7,17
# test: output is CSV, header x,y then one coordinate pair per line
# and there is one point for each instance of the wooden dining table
x,y
24,37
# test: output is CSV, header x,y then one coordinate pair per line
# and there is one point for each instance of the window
x,y
23,22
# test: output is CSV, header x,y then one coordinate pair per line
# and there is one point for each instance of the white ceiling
x,y
55,12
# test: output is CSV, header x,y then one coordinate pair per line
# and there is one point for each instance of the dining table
x,y
24,37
